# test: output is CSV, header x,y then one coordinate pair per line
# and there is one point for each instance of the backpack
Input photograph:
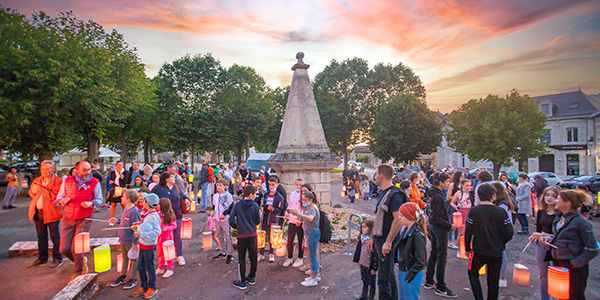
x,y
324,227
211,174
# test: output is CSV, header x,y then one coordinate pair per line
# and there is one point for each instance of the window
x,y
572,135
573,164
546,109
574,105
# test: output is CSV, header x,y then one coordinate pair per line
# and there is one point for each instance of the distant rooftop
x,y
569,104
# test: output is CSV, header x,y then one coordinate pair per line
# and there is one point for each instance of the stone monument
x,y
302,151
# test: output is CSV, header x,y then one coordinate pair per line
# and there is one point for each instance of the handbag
x,y
185,204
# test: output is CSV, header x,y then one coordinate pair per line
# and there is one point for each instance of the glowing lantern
x,y
199,195
356,196
275,226
344,188
535,208
118,191
186,228
193,205
24,183
558,282
120,262
276,238
102,261
461,248
191,178
482,270
207,240
261,238
280,252
82,243
233,181
192,196
457,219
521,275
343,194
169,250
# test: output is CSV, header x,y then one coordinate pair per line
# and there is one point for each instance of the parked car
x,y
360,167
592,182
161,168
257,160
551,178
29,169
473,172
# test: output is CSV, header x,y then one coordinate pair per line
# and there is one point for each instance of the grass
x,y
336,171
337,205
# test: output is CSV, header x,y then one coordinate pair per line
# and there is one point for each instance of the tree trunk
x,y
147,150
496,170
123,151
346,154
239,153
192,152
247,147
93,148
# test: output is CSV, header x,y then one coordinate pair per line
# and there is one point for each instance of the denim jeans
x,y
522,218
436,265
540,254
386,278
146,269
504,265
177,239
10,195
313,241
42,235
411,290
205,194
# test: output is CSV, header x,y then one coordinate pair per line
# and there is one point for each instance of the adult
x,y
242,171
11,188
405,172
385,230
134,172
229,172
524,201
539,185
263,173
248,174
96,171
45,215
166,188
118,181
78,195
204,185
453,189
147,177
346,173
172,168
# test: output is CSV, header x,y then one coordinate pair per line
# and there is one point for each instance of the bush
x,y
337,171
337,205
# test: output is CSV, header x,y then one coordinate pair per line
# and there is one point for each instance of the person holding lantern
x,y
221,201
503,201
45,215
78,194
574,242
127,241
167,225
118,181
274,205
310,216
295,228
148,233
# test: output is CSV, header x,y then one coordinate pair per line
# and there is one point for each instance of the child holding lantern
x,y
130,215
366,261
411,251
222,200
295,228
273,205
148,233
167,225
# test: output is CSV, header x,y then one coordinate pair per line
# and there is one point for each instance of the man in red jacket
x,y
45,215
78,194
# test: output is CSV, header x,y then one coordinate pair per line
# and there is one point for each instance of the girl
x,y
168,223
211,225
138,182
411,251
365,189
366,261
306,267
503,200
154,182
546,214
453,189
310,223
461,202
415,193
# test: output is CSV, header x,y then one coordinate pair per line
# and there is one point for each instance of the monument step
x,y
81,288
27,248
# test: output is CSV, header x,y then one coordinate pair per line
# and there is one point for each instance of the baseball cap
x,y
151,198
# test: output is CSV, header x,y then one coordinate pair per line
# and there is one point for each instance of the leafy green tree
x,y
404,129
498,129
269,140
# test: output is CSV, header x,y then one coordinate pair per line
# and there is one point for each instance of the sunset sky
x,y
460,49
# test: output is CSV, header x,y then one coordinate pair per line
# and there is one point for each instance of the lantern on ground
x,y
102,261
261,238
281,251
82,243
457,219
207,240
186,228
462,249
558,282
24,183
521,275
276,238
169,250
120,262
482,270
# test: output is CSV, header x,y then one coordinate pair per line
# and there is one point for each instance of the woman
x,y
574,241
524,200
147,177
310,223
166,188
453,189
547,213
503,200
118,182
461,202
154,182
507,185
415,193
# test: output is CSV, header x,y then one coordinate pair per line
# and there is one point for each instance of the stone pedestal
x,y
302,151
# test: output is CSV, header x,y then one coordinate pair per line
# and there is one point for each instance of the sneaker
x,y
271,257
131,283
457,254
298,263
120,280
180,261
36,263
304,268
287,262
168,274
140,292
111,224
502,283
150,293
452,245
308,272
429,286
260,257
160,271
55,264
85,266
310,282
318,277
445,293
240,284
229,259
219,256
251,280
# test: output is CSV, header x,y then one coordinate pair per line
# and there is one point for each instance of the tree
x,y
269,140
404,129
498,129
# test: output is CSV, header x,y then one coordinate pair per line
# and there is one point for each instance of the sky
x,y
461,50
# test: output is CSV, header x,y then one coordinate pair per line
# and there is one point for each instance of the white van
x,y
258,160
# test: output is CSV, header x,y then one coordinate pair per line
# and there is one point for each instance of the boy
x,y
295,228
148,233
490,229
273,205
245,216
222,200
257,182
130,215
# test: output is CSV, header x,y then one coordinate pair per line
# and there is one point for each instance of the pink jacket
x,y
166,230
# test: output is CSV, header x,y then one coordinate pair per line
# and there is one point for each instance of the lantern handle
x,y
117,228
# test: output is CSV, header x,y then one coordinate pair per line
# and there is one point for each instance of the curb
x,y
81,288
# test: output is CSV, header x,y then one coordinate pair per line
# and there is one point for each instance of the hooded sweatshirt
x,y
148,239
439,214
244,217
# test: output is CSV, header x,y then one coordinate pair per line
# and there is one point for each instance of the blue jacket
x,y
245,216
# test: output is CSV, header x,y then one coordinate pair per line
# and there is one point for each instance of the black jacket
x,y
279,206
245,216
575,240
372,259
411,252
203,175
439,213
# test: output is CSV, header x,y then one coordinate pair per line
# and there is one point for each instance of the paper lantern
x,y
261,238
120,262
462,249
193,205
232,181
457,219
191,178
558,282
169,250
343,188
535,208
118,191
521,275
102,261
192,196
207,240
199,195
356,195
275,226
81,243
24,183
482,270
343,194
276,238
186,228
281,251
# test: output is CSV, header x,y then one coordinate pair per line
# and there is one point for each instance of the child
x,y
273,205
411,253
366,261
11,189
365,189
138,182
167,225
130,215
489,227
257,182
245,216
295,228
221,202
140,203
148,233
351,191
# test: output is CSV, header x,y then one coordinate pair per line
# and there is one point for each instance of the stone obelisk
x,y
302,151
